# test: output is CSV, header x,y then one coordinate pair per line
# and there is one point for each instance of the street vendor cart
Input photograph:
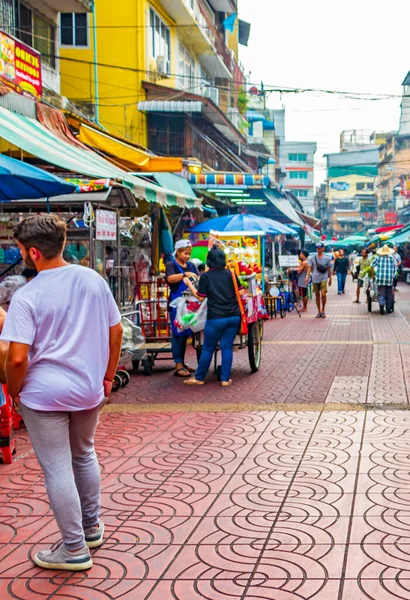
x,y
255,315
243,239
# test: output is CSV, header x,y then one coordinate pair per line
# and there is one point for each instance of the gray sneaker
x,y
58,557
94,536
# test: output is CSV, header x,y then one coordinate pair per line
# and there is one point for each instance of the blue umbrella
x,y
21,181
243,224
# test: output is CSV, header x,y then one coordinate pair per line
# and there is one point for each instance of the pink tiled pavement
x,y
342,346
269,504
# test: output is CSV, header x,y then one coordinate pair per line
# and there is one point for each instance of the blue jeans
x,y
223,331
178,344
341,282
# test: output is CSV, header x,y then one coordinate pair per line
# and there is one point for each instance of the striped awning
x,y
36,139
229,180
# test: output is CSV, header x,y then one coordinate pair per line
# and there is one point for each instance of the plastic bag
x,y
190,313
133,341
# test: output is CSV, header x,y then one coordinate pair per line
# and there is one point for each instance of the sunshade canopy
x,y
20,180
34,138
243,224
126,154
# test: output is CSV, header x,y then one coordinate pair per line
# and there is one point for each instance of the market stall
x,y
243,239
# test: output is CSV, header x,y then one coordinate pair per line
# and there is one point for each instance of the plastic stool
x,y
7,443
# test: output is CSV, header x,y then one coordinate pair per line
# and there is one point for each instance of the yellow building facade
x,y
172,43
347,186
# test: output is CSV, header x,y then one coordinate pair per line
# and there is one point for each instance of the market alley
x,y
291,484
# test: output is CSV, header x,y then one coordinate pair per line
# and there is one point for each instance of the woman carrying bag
x,y
219,286
177,270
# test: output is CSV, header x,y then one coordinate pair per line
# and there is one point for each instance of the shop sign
x,y
105,225
390,218
340,186
288,260
20,66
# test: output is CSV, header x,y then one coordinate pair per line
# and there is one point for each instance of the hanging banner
x,y
106,225
20,66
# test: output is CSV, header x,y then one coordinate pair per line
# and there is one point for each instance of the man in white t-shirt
x,y
64,333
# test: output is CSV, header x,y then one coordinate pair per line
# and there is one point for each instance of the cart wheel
x,y
369,302
135,365
125,377
219,373
261,327
148,365
116,383
254,346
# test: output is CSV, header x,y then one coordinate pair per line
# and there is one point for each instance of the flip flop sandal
x,y
179,373
193,381
318,316
323,316
226,383
189,369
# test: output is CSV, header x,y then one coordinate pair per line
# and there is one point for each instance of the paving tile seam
x,y
248,407
335,343
280,510
350,526
208,509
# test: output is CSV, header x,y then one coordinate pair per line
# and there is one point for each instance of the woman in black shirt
x,y
223,318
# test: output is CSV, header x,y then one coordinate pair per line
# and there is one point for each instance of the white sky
x,y
356,45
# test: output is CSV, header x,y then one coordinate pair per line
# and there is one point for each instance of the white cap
x,y
180,244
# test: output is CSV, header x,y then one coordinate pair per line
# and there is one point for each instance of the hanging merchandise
x,y
167,244
88,216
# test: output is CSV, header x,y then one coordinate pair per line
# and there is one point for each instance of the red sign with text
x,y
390,218
20,66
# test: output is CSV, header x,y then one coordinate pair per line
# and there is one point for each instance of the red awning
x,y
388,228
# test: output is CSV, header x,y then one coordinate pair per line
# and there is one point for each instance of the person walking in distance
x,y
301,271
64,333
341,269
364,263
320,268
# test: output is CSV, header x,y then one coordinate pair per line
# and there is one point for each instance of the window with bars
x,y
36,31
300,193
7,19
74,30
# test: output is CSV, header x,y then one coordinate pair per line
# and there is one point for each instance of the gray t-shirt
x,y
324,261
302,278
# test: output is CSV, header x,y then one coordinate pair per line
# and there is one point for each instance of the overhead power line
x,y
266,88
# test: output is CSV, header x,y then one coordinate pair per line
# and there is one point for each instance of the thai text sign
x,y
106,225
20,66
340,186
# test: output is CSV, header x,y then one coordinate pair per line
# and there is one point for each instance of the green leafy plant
x,y
243,101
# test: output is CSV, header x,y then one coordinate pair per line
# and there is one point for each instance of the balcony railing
x,y
220,46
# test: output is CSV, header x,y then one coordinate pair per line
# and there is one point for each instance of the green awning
x,y
174,182
32,137
402,237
